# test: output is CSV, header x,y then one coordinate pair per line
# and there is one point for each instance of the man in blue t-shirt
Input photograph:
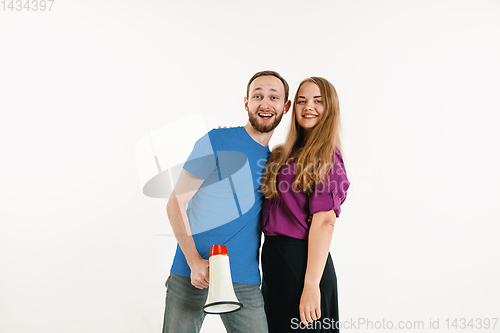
x,y
217,201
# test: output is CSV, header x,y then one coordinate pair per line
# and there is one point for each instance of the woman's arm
x,y
320,238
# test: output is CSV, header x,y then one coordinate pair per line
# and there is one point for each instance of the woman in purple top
x,y
304,183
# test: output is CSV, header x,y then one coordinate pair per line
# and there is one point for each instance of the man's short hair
x,y
269,73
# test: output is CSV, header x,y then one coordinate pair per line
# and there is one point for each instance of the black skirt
x,y
284,261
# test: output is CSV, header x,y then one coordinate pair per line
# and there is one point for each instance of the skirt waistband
x,y
280,240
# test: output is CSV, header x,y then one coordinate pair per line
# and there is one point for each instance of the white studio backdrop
x,y
83,250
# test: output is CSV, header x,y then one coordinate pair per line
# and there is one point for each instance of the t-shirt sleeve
x,y
329,195
201,162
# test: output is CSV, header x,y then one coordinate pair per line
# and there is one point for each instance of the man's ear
x,y
245,100
287,106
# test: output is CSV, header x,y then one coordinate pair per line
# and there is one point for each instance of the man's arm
x,y
184,190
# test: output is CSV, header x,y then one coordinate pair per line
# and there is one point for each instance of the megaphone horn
x,y
221,297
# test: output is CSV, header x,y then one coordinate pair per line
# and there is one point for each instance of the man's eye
x,y
274,97
257,96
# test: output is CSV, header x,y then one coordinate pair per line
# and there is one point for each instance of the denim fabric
x,y
184,302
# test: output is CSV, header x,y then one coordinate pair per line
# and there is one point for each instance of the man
x,y
219,186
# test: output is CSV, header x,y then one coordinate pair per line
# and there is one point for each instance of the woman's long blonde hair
x,y
315,151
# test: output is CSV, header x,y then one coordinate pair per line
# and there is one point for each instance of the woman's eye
x,y
301,102
318,101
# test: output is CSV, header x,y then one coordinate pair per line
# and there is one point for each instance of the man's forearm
x,y
176,212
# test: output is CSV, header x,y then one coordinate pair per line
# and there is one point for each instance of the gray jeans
x,y
184,302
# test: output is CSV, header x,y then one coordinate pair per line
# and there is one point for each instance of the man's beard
x,y
252,117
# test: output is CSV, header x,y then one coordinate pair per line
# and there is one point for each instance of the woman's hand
x,y
310,303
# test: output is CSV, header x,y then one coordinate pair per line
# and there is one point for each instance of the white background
x,y
82,250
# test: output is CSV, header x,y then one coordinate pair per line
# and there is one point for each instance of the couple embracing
x,y
292,194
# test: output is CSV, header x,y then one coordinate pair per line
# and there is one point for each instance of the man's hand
x,y
199,273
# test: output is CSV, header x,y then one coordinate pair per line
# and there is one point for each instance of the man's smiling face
x,y
265,103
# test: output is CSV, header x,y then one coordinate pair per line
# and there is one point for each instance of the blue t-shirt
x,y
226,208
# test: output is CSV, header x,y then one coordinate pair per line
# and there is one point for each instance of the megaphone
x,y
221,297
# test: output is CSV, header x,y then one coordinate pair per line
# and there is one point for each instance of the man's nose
x,y
265,105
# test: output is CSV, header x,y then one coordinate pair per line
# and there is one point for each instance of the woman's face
x,y
309,107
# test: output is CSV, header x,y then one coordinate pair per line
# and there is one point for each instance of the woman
x,y
304,184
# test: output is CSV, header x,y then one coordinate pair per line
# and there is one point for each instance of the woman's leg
x,y
284,263
283,271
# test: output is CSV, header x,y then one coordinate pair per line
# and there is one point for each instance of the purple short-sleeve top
x,y
287,213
